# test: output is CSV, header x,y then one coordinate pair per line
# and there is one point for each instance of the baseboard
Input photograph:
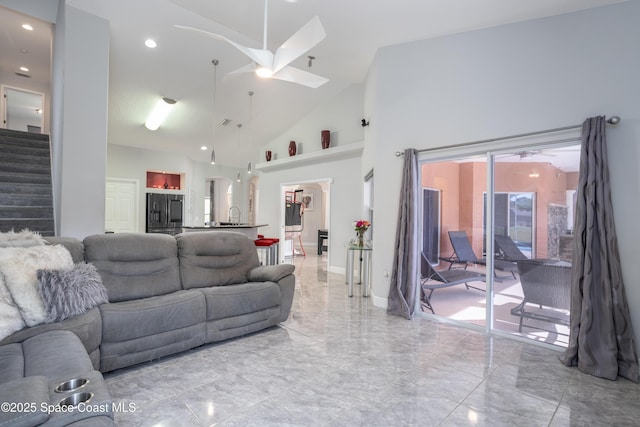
x,y
337,270
378,301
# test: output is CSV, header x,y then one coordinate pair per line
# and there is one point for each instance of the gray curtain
x,y
403,292
601,340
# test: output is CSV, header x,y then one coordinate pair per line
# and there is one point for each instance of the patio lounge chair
x,y
433,279
546,285
464,255
508,249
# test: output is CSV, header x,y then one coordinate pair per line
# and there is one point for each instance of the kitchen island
x,y
251,230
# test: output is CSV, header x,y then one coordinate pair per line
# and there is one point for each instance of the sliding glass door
x,y
530,230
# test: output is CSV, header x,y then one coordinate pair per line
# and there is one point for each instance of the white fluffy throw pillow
x,y
10,317
20,266
24,238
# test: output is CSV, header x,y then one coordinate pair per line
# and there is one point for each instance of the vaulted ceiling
x,y
180,66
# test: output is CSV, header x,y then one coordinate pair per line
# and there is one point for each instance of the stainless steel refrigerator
x,y
164,213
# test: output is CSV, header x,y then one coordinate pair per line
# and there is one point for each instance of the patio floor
x,y
469,306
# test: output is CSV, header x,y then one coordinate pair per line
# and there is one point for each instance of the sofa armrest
x,y
270,273
24,399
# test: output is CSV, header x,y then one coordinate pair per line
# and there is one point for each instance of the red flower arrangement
x,y
361,226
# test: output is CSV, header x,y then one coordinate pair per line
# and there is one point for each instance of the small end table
x,y
365,256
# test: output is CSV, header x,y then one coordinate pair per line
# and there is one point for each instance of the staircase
x,y
25,182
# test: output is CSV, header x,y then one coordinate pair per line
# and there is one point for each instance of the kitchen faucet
x,y
232,217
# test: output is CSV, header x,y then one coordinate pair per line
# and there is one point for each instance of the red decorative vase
x,y
325,139
292,148
267,155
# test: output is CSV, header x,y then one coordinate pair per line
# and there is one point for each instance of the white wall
x,y
345,201
81,132
46,10
341,116
511,79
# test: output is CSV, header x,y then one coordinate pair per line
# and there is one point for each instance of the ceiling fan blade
x,y
249,68
261,56
296,75
302,41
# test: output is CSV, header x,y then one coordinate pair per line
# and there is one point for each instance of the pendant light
x,y
239,125
249,169
215,63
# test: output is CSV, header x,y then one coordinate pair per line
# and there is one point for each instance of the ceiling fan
x,y
276,66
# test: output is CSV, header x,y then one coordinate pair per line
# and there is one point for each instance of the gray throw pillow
x,y
69,293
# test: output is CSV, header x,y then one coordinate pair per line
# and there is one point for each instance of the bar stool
x,y
270,248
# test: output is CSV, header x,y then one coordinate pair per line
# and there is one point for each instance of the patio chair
x,y
508,249
464,255
546,286
432,279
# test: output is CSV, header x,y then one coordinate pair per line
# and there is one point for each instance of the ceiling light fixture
x,y
203,148
27,27
159,113
264,72
215,63
238,177
150,43
25,69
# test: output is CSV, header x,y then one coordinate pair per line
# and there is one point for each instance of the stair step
x,y
25,168
24,188
29,200
20,148
27,159
43,226
30,136
21,212
17,177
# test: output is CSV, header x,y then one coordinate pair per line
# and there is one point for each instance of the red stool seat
x,y
271,247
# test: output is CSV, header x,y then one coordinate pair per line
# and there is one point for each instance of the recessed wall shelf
x,y
320,156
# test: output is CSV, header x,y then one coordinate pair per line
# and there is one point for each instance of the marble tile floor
x,y
340,361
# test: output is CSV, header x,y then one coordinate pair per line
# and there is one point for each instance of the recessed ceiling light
x,y
203,148
27,27
25,69
150,43
24,51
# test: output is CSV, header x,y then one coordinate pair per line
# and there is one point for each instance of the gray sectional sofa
x,y
166,295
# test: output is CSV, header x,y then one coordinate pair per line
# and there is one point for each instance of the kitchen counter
x,y
251,230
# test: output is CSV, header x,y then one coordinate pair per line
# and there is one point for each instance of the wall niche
x,y
164,180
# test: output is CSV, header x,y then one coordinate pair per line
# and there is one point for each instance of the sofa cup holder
x,y
71,385
76,398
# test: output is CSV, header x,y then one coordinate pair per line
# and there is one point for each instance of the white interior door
x,y
121,206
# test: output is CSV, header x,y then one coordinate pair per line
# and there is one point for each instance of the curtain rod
x,y
614,120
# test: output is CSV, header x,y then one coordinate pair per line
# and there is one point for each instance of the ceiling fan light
x,y
264,72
